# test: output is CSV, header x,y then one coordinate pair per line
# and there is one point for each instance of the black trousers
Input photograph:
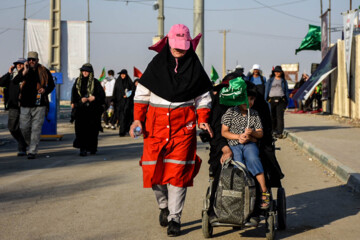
x,y
14,128
277,108
124,116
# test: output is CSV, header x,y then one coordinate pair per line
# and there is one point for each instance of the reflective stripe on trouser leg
x,y
161,194
176,201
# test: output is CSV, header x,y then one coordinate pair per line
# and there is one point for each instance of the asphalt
x,y
334,144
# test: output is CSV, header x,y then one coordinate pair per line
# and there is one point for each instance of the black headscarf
x,y
189,82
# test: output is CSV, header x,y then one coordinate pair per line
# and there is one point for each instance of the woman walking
x,y
172,95
277,94
88,99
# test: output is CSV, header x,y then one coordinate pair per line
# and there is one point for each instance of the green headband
x,y
235,94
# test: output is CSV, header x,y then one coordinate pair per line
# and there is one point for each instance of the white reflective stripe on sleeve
x,y
203,100
148,162
179,161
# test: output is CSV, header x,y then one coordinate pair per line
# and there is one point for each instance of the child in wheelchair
x,y
242,128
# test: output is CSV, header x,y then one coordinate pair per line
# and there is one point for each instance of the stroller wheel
x,y
281,209
270,226
207,229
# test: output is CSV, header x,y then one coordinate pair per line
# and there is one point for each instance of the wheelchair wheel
x,y
270,226
207,229
281,209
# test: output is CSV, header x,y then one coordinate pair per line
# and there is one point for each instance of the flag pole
x,y
248,122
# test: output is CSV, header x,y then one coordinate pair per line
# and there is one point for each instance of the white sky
x,y
121,33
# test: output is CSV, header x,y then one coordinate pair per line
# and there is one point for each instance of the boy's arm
x,y
258,133
242,138
227,134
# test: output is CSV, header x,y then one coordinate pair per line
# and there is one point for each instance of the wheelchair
x,y
275,215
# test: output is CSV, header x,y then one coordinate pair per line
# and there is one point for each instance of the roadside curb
x,y
342,172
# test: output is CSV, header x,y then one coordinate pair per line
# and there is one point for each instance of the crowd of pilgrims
x,y
92,102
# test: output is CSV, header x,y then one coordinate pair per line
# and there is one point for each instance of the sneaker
x,y
113,127
164,213
31,156
21,154
252,222
173,229
106,126
301,111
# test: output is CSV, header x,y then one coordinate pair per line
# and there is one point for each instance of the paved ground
x,y
63,196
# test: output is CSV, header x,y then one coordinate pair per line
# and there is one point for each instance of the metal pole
x,y
224,51
24,29
88,32
350,5
199,27
161,19
329,23
321,8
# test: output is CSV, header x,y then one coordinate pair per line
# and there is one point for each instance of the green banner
x,y
214,75
312,40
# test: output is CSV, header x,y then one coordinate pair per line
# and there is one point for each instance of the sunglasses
x,y
31,59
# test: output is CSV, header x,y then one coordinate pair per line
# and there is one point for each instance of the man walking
x,y
255,76
13,104
37,84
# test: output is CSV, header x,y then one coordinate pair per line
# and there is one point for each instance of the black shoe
x,y
21,154
173,229
252,222
164,213
279,136
83,153
31,156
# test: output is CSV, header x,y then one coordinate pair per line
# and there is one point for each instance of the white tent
x,y
73,48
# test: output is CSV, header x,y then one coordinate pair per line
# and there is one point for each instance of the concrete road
x,y
61,195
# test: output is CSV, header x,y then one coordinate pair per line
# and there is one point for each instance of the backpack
x,y
235,194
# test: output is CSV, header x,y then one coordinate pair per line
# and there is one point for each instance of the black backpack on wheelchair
x,y
235,195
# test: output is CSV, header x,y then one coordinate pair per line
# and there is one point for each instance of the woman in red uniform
x,y
172,95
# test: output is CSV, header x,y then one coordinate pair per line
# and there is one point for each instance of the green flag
x,y
235,94
213,75
102,75
312,40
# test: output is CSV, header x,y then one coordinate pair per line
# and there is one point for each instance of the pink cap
x,y
179,37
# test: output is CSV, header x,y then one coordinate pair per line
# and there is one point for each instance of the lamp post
x,y
24,29
224,51
159,5
88,31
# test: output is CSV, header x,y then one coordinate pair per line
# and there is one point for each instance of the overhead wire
x,y
22,5
39,10
224,10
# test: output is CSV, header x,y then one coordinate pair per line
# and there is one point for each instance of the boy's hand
x,y
244,138
227,153
248,131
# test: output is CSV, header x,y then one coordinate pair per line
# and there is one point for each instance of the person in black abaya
x,y
123,101
88,99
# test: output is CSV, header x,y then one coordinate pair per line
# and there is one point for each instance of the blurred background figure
x,y
12,103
